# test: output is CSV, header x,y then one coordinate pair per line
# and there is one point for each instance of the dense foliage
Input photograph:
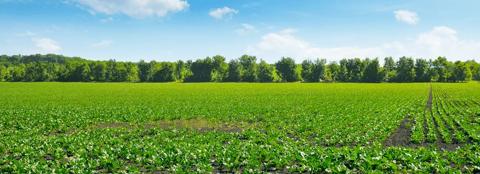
x,y
244,69
241,128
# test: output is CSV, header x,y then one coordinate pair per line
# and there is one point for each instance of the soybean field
x,y
239,127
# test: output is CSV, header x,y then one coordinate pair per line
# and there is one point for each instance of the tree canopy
x,y
51,67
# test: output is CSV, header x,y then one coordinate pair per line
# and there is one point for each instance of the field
x,y
239,127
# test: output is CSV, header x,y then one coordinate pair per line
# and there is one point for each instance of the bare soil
x,y
401,136
196,124
428,106
201,125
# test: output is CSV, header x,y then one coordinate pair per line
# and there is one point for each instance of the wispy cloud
x,y
135,8
46,45
222,13
406,16
246,29
440,41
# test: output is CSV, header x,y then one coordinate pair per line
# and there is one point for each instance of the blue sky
x,y
168,30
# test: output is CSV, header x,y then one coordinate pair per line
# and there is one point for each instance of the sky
x,y
169,30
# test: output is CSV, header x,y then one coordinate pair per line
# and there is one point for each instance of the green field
x,y
239,127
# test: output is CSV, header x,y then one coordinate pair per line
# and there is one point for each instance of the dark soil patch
x,y
200,125
60,132
428,106
401,136
448,147
114,125
48,157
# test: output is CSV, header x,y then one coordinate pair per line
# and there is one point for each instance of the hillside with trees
x,y
43,68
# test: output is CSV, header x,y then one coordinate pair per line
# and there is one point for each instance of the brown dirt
x,y
201,125
401,136
428,106
197,124
114,125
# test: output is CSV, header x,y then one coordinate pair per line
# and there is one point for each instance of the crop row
x,y
242,128
450,120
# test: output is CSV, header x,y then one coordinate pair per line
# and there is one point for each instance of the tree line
x,y
51,67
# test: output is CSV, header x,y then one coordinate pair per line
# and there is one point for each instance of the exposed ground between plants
x,y
401,137
196,124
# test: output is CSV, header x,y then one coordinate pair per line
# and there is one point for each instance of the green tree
x,y
474,68
82,72
100,71
201,70
234,71
334,70
372,72
144,71
405,70
163,72
132,73
389,68
320,70
53,71
477,74
307,71
180,71
422,71
119,72
220,69
462,72
313,71
36,72
343,71
442,69
354,70
4,73
249,68
18,73
110,74
267,72
288,70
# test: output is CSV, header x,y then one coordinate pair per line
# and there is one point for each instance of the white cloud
x,y
135,8
46,45
406,16
440,41
221,13
443,40
102,44
246,29
285,43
